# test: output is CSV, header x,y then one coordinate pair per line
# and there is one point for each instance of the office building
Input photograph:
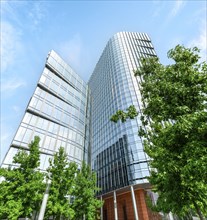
x,y
56,113
117,150
65,111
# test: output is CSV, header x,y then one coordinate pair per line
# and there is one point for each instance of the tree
x,y
21,189
62,175
85,203
123,116
175,130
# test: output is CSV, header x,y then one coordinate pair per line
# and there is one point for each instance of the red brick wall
x,y
125,200
108,209
141,205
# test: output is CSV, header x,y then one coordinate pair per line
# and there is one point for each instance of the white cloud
x,y
158,7
201,41
9,85
11,45
33,11
71,51
37,14
8,10
178,5
16,108
6,137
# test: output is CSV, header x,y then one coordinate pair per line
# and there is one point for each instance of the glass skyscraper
x,y
118,154
117,150
65,111
56,113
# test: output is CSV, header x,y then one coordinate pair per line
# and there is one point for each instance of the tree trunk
x,y
198,211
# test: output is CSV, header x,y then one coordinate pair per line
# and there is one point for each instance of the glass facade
x,y
117,150
57,113
63,111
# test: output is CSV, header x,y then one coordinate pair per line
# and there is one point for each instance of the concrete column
x,y
101,209
69,199
171,216
44,201
115,207
134,203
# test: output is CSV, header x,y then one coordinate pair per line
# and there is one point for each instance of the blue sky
x,y
79,31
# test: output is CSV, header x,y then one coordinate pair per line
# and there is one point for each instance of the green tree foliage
x,y
21,189
72,191
123,116
175,130
85,203
62,175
